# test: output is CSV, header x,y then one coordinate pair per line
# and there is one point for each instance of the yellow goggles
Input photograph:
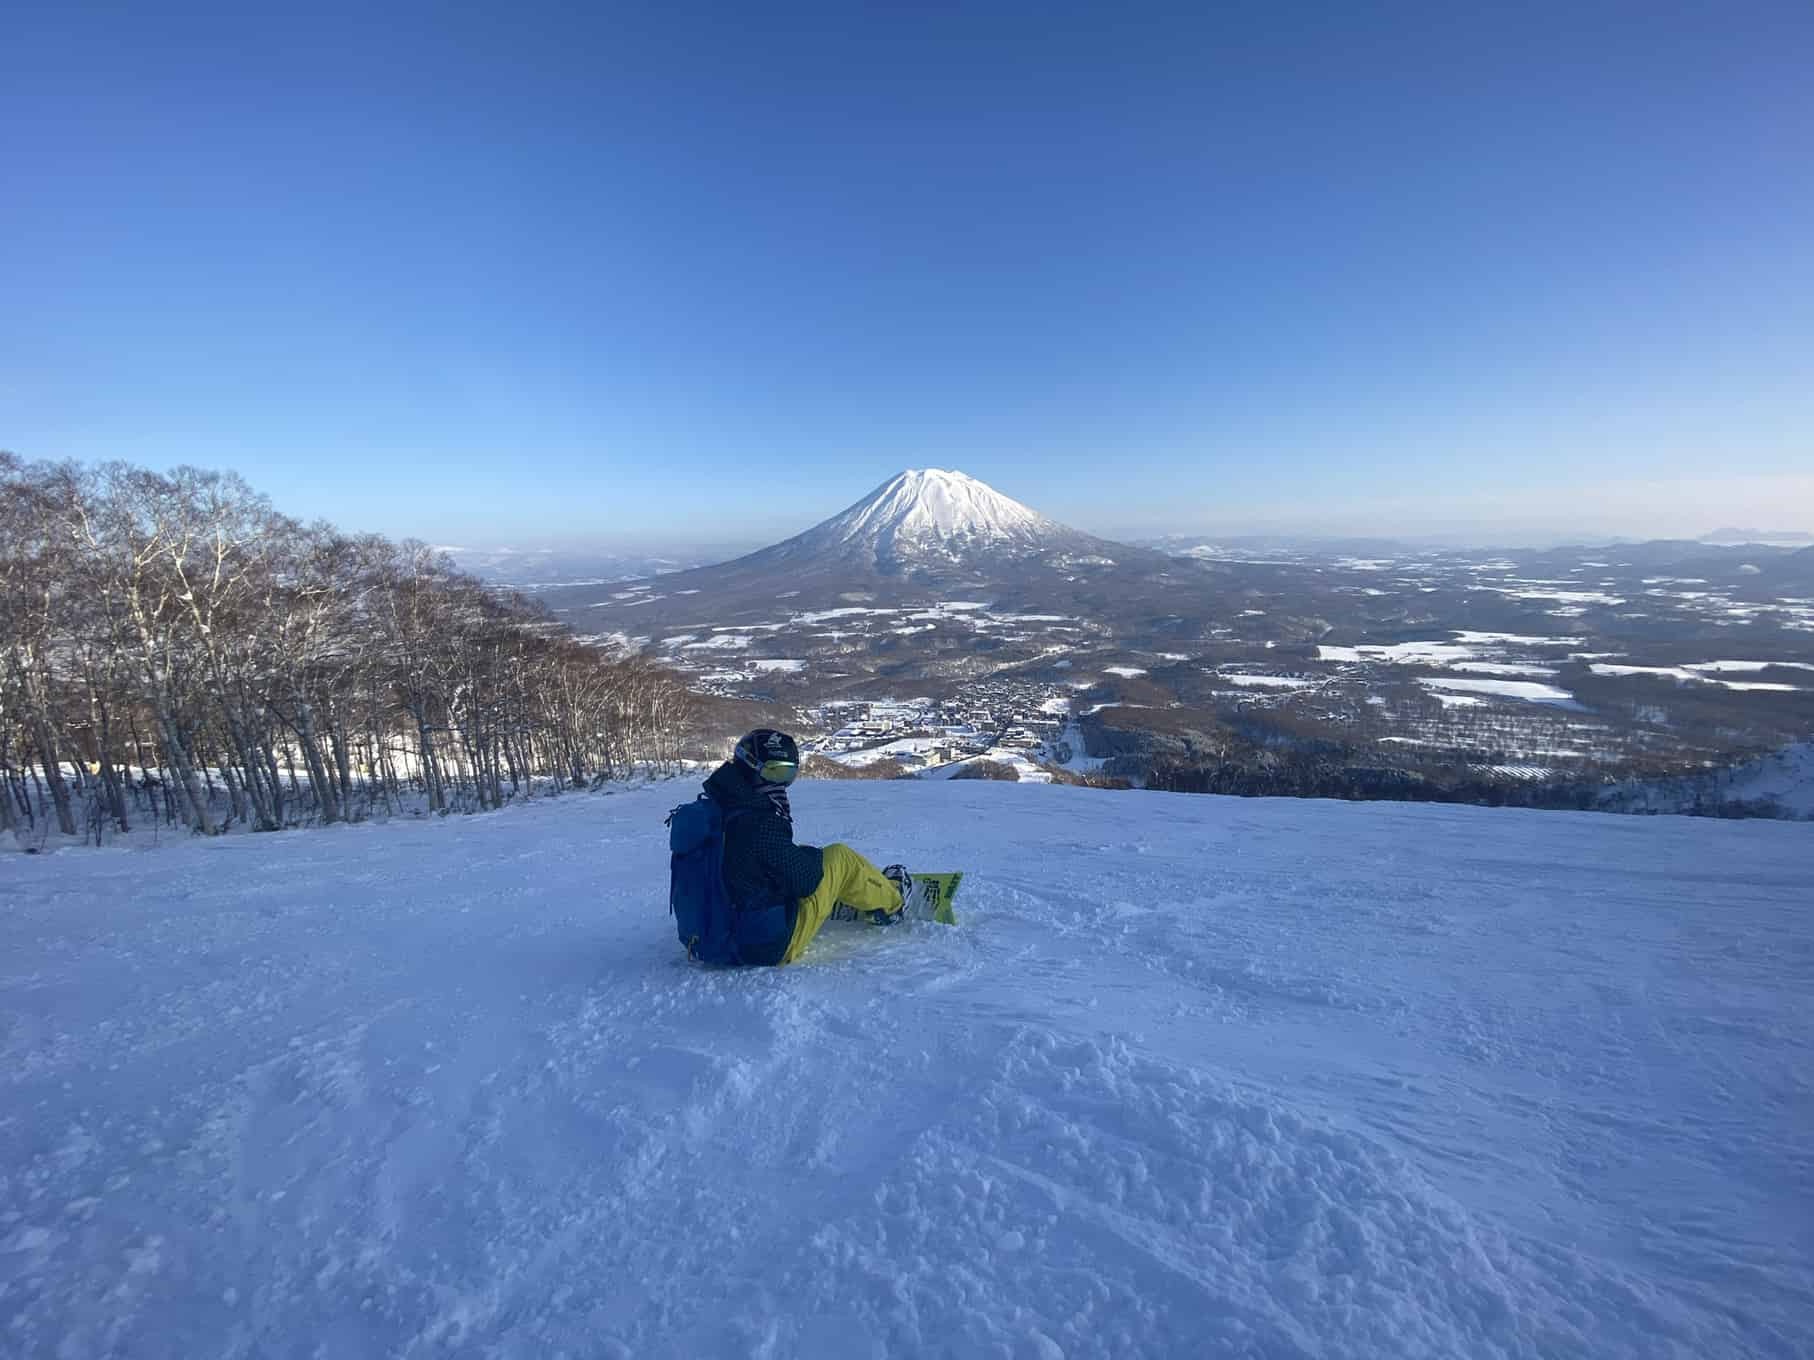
x,y
778,771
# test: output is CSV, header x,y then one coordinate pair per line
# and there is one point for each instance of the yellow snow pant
x,y
848,878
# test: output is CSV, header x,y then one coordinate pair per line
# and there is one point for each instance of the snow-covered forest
x,y
171,646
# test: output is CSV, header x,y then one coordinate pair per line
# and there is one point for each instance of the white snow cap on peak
x,y
932,503
934,518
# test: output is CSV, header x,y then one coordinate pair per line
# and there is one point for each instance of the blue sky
x,y
677,272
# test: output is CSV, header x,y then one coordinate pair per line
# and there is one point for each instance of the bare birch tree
x,y
171,641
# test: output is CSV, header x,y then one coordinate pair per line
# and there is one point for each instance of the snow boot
x,y
903,881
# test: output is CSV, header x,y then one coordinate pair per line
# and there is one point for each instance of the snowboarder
x,y
763,868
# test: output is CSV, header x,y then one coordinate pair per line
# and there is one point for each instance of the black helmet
x,y
774,756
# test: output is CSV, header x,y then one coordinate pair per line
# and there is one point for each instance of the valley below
x,y
940,629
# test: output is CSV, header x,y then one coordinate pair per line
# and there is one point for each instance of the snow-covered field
x,y
1532,691
1195,1076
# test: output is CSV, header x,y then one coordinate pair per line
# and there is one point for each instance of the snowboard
x,y
931,897
930,900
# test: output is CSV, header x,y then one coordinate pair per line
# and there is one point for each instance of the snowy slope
x,y
1195,1077
1784,777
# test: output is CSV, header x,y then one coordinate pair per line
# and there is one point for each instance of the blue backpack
x,y
709,924
703,915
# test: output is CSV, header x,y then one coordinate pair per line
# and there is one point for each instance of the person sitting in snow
x,y
763,868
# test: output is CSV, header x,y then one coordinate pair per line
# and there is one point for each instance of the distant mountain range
x,y
540,568
1212,546
927,525
1777,538
929,535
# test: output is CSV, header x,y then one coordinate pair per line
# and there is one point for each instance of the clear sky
x,y
668,271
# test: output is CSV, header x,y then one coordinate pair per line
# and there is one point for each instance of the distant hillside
x,y
1774,537
542,567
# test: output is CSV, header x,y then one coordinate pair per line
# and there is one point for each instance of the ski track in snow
x,y
1194,1076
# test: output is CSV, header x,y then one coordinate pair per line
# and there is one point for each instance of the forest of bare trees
x,y
172,648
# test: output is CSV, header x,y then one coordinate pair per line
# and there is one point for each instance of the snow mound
x,y
1193,1076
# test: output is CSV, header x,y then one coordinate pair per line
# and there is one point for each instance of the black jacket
x,y
762,865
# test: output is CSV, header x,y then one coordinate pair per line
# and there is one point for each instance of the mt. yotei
x,y
927,518
923,536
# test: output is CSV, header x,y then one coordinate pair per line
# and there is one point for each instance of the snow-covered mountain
x,y
1192,1077
928,518
929,508
924,535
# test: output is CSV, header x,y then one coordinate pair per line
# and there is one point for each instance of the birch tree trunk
x,y
265,797
110,780
9,815
236,793
53,772
325,797
177,758
342,766
431,775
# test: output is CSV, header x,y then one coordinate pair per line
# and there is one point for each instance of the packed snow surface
x,y
1193,1076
